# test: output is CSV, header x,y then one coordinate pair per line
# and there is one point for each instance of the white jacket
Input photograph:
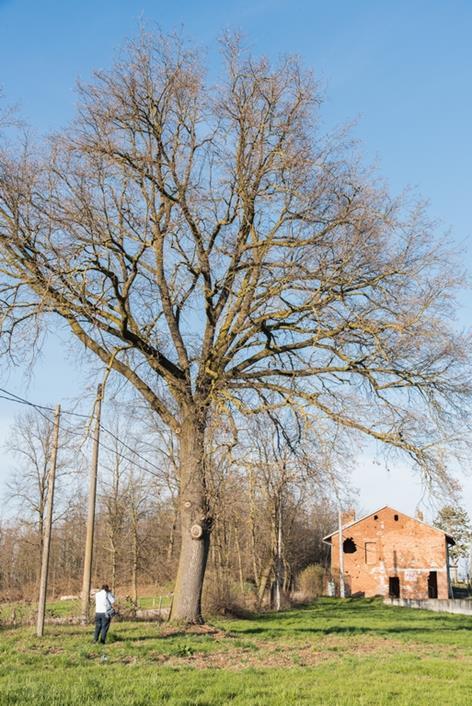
x,y
103,601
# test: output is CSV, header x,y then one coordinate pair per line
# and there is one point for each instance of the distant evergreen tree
x,y
456,522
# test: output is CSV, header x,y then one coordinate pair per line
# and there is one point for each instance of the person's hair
x,y
105,587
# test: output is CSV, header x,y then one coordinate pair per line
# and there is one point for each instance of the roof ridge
x,y
384,507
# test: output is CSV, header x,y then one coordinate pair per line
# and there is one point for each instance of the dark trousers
x,y
102,623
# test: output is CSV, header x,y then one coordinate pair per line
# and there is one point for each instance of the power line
x,y
133,451
121,455
12,397
23,400
20,400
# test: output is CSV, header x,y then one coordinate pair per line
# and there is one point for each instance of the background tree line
x,y
262,496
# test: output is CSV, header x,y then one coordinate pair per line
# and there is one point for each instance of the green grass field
x,y
343,653
25,612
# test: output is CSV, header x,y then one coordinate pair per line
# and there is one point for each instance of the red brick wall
x,y
385,547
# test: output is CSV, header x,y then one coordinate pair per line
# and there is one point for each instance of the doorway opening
x,y
433,584
394,587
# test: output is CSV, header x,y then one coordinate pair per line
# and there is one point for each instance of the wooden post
x,y
278,578
342,590
43,583
92,494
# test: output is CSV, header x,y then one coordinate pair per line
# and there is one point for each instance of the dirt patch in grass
x,y
265,654
39,649
171,631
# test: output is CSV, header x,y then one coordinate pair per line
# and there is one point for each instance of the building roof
x,y
327,539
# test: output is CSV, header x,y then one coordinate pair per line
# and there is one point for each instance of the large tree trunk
x,y
195,524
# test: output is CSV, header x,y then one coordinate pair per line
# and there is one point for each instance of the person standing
x,y
104,612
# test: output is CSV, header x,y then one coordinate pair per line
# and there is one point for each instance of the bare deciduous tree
x,y
209,245
30,444
115,506
285,473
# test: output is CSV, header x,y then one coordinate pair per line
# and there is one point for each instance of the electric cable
x,y
12,397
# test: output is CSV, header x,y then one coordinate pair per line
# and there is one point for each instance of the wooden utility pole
x,y
278,580
43,583
342,590
92,494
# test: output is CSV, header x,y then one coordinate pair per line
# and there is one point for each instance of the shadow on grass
x,y
145,638
349,630
350,617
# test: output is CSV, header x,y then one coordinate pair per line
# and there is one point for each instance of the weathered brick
x,y
388,544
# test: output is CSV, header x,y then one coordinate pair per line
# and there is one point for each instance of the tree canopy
x,y
209,244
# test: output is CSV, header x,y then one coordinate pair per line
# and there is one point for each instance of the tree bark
x,y
170,545
252,520
264,580
240,563
135,560
195,524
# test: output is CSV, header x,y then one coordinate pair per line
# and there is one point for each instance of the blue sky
x,y
401,69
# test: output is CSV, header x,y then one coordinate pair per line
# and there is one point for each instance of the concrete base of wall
x,y
450,605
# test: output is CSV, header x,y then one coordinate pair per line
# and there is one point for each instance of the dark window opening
x,y
433,584
376,517
349,546
395,517
394,587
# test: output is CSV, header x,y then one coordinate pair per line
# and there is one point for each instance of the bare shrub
x,y
311,581
225,598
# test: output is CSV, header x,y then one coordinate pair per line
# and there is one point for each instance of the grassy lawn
x,y
343,653
25,612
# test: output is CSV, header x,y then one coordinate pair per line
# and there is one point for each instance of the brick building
x,y
388,553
